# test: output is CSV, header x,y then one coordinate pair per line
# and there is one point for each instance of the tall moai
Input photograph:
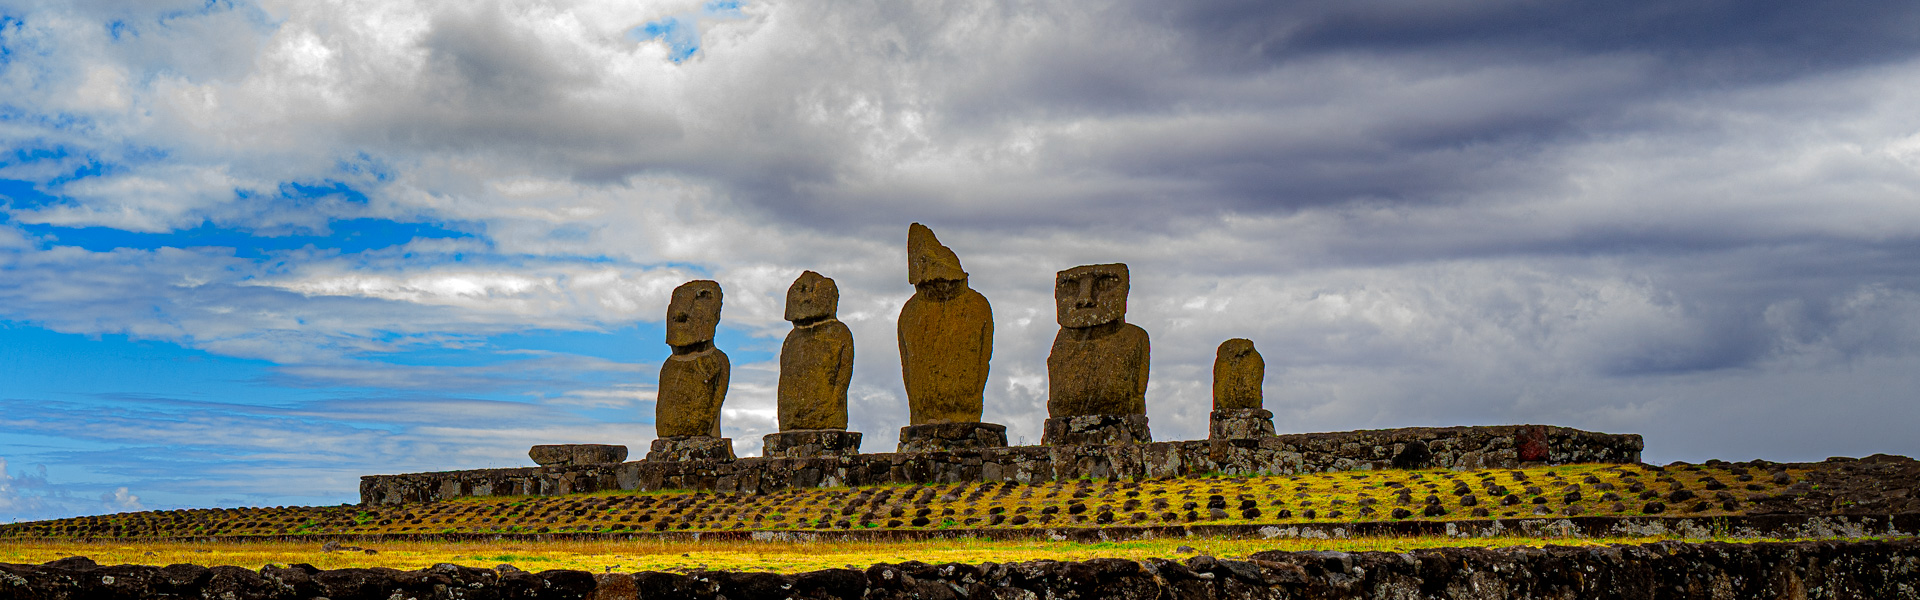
x,y
816,366
1097,370
1238,374
946,340
693,381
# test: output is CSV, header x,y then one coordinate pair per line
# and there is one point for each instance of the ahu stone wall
x,y
1442,447
1799,570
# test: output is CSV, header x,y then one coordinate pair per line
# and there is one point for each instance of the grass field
x,y
1354,496
655,555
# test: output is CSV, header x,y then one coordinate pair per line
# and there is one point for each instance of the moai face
x,y
1091,295
927,260
693,313
812,297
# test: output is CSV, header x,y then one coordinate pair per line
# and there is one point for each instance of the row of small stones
x,y
688,511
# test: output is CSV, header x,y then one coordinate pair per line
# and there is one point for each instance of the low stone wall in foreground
x,y
1506,446
1801,570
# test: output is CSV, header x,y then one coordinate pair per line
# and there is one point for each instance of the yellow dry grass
x,y
1346,497
656,555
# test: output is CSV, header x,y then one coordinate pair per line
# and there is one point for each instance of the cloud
x,y
1694,222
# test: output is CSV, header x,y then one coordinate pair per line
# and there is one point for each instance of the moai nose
x,y
680,317
1086,299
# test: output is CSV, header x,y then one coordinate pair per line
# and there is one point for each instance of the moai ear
x,y
927,260
1090,295
812,296
693,313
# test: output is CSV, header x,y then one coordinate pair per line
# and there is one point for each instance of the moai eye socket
x,y
703,295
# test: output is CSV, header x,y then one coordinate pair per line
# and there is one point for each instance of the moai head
x,y
813,296
1238,372
693,313
1090,295
927,260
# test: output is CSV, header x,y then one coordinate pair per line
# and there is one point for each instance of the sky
x,y
251,251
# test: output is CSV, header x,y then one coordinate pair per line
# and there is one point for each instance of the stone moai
x,y
693,381
1097,371
946,339
816,365
1238,373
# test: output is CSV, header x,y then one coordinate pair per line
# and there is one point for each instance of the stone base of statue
x,y
1095,429
564,455
946,437
1240,424
691,447
810,443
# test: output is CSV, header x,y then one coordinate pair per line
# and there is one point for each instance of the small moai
x,y
946,339
693,381
1097,371
816,365
1238,373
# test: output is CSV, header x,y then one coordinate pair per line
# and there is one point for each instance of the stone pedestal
x,y
1095,429
1240,424
691,447
565,455
943,437
810,443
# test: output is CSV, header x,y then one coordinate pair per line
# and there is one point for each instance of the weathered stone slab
x,y
945,333
1085,430
561,455
691,448
693,381
1239,374
1098,363
816,360
1239,424
946,437
810,443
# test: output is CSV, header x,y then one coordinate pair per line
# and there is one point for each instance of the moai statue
x,y
1097,371
1238,372
946,338
693,382
816,364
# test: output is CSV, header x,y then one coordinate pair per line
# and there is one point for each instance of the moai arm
x,y
843,370
1140,385
717,386
986,343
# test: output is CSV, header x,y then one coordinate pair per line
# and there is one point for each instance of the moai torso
x,y
693,382
692,386
1098,365
816,361
946,336
1238,372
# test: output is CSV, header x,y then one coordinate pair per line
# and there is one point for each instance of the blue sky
x,y
250,251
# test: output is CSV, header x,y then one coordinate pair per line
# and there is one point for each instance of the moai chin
x,y
1097,371
816,365
693,381
946,340
1238,374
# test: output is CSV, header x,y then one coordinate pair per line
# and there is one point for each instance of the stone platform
x,y
563,455
1095,429
948,437
1239,424
1422,447
694,448
810,443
